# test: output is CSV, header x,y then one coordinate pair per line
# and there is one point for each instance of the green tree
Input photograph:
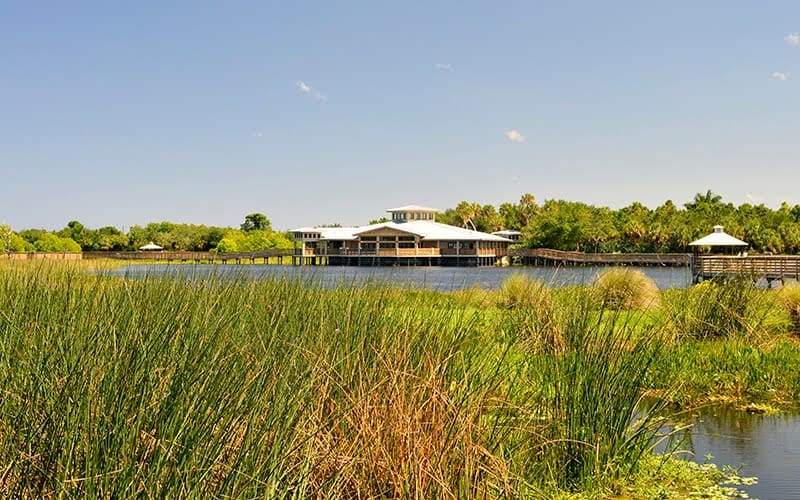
x,y
256,222
49,242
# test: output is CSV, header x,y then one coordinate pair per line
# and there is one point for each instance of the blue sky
x,y
118,114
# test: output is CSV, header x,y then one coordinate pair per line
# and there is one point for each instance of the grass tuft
x,y
624,288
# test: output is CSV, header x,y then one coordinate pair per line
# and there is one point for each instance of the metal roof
x,y
719,238
413,208
428,230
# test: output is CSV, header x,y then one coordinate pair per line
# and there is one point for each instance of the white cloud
x,y
258,135
444,66
781,76
515,136
306,89
793,38
753,199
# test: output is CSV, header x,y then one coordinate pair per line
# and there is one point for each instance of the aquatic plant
x,y
625,288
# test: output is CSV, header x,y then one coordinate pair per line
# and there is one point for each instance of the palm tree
x,y
710,198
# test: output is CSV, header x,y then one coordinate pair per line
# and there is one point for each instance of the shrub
x,y
621,288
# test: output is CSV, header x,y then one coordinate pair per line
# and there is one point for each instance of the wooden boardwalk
x,y
263,257
769,267
546,256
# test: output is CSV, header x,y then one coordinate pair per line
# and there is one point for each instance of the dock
x,y
768,267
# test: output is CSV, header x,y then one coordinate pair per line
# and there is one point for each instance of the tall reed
x,y
717,309
595,424
199,386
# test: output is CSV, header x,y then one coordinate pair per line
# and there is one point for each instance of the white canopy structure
x,y
151,246
719,238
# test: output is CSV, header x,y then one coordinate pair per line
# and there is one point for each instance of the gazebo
x,y
151,246
719,239
720,243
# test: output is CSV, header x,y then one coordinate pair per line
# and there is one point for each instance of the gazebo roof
x,y
151,246
719,238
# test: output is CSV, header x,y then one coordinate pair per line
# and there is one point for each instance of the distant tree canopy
x,y
75,237
11,241
571,225
251,241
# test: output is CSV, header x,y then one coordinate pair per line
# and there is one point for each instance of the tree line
x,y
254,234
571,225
557,224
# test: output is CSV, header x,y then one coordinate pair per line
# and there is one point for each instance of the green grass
x,y
277,388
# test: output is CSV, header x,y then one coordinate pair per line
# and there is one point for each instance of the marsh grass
x,y
719,309
595,424
191,386
119,388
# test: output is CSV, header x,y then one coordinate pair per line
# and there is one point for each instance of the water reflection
x,y
767,447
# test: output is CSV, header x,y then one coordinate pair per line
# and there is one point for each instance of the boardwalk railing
x,y
191,256
771,267
546,255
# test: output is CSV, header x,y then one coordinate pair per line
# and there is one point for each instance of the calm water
x,y
434,278
767,447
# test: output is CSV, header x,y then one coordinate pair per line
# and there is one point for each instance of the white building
x,y
412,237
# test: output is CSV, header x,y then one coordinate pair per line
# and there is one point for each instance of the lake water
x,y
767,447
434,278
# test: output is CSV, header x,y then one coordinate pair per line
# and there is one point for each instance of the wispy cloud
x,y
781,76
793,38
753,199
258,135
444,66
514,135
306,89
